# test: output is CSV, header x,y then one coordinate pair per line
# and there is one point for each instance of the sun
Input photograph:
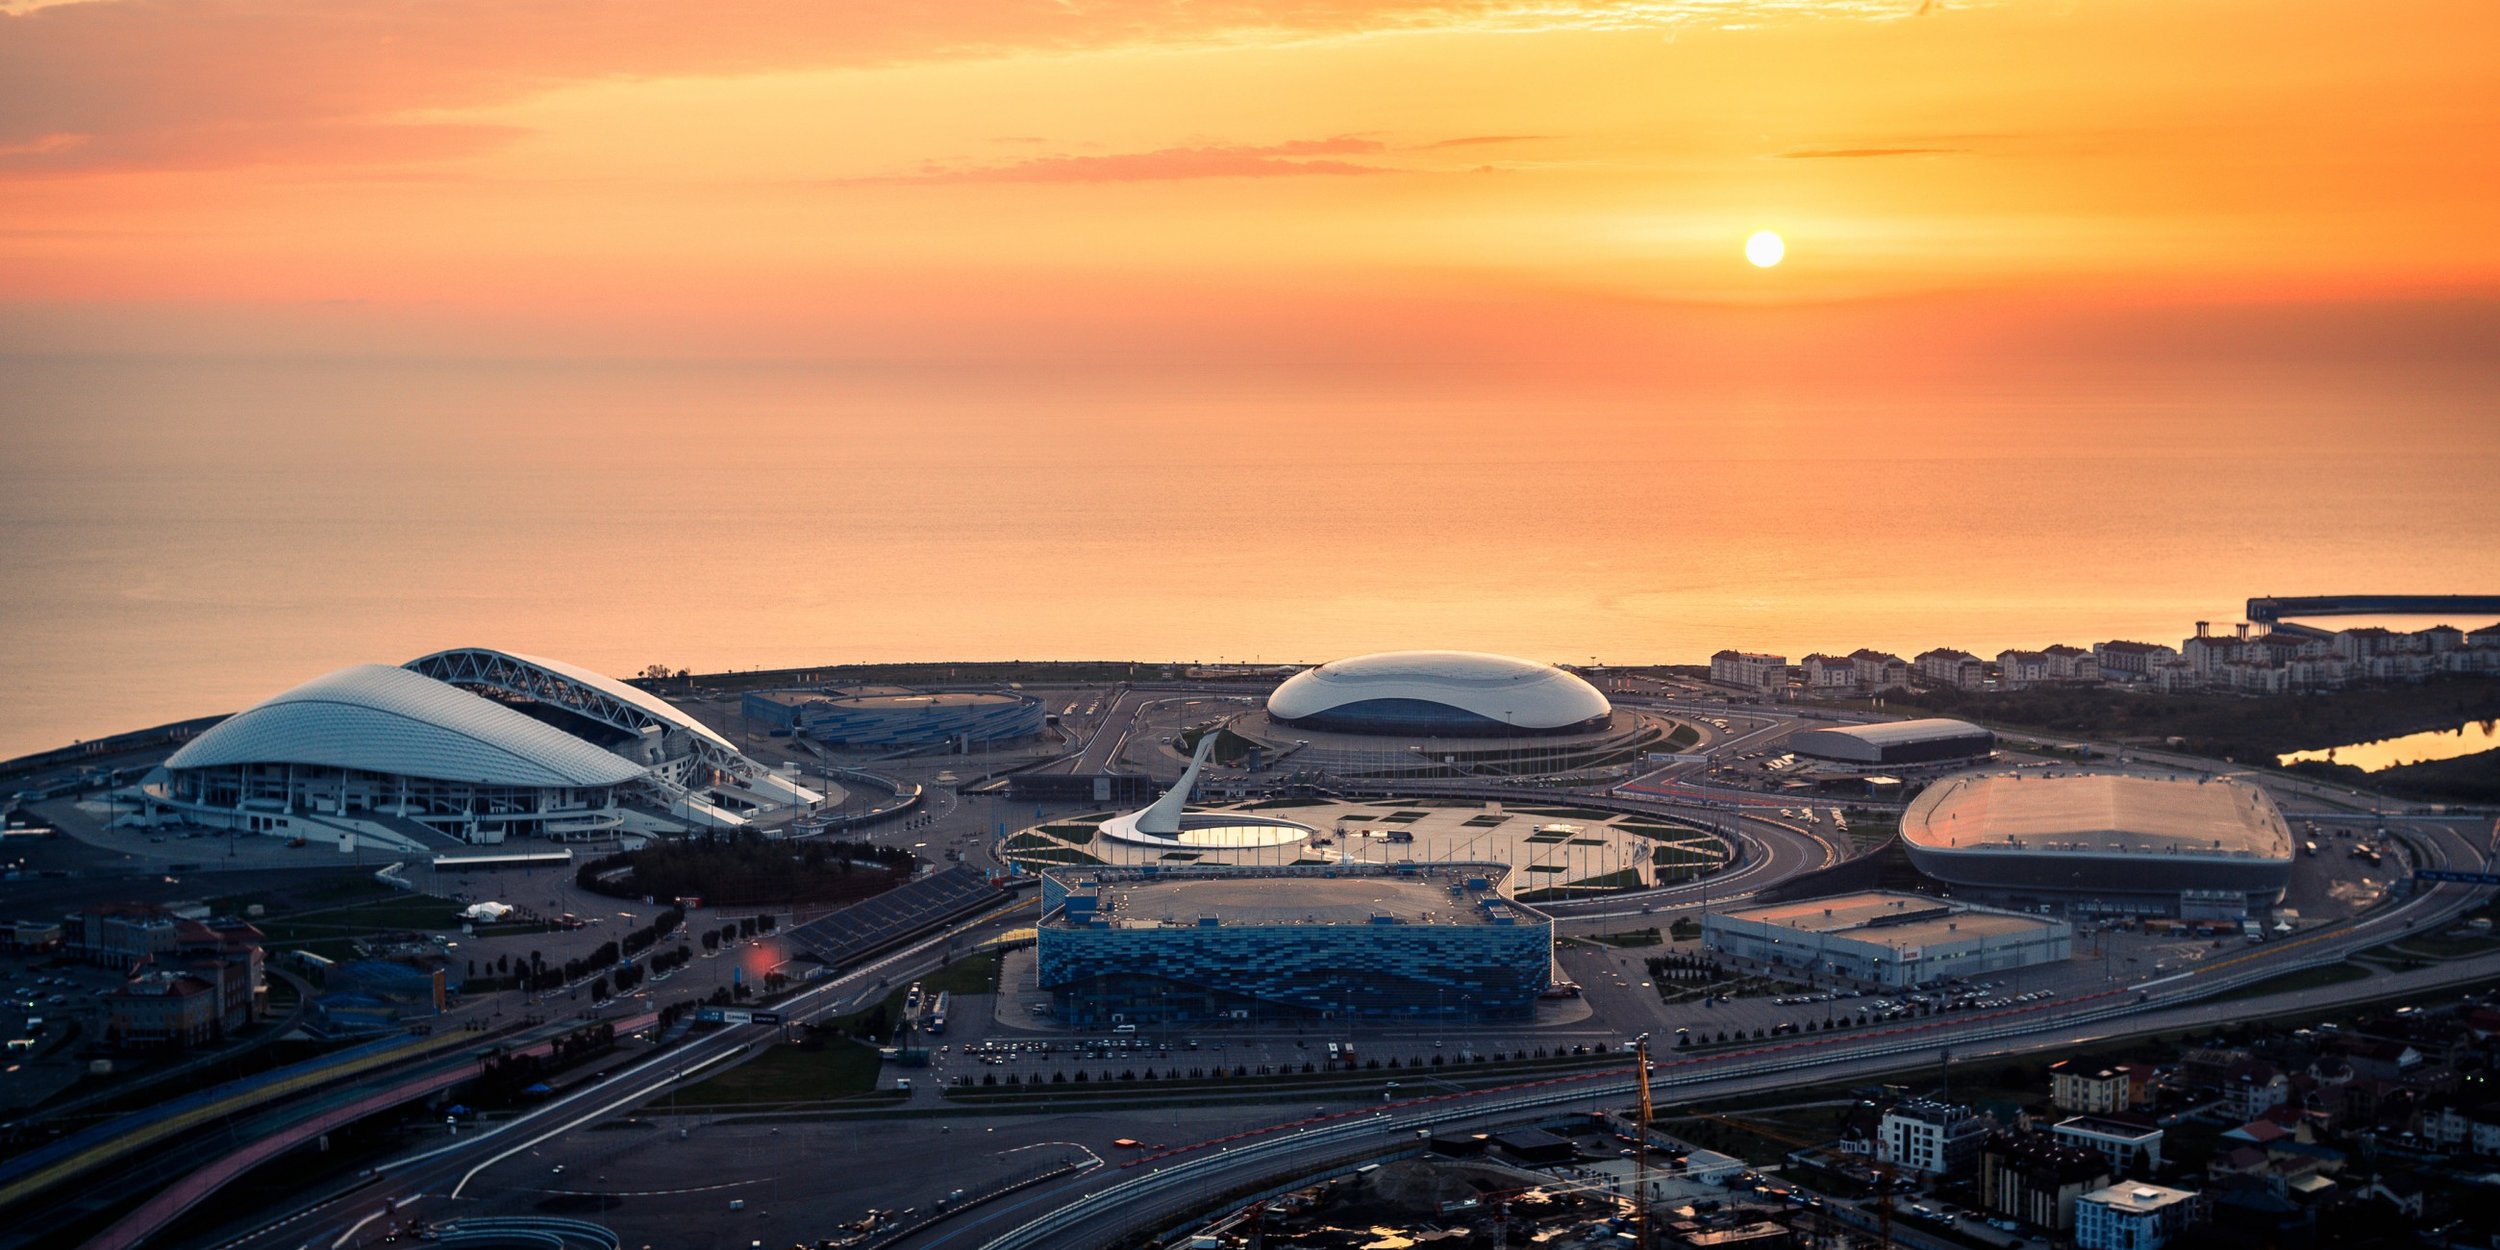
x,y
1764,248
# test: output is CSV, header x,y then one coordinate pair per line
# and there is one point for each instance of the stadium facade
x,y
2098,842
462,746
1369,942
1895,743
898,718
1439,694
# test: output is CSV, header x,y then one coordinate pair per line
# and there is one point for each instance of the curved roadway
x,y
1775,851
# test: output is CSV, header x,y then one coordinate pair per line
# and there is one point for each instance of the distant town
x,y
2247,660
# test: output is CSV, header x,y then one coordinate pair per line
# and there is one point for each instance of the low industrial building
x,y
2095,842
1924,741
898,718
33,937
1886,939
1374,942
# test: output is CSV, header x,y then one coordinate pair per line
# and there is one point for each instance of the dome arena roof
x,y
1423,690
379,718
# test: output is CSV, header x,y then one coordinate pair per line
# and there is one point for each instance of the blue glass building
x,y
898,718
1371,942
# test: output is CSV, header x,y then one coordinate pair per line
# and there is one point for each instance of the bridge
x,y
2271,609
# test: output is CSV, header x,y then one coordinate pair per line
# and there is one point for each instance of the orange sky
x,y
1541,181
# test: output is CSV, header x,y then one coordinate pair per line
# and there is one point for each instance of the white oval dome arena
x,y
1440,694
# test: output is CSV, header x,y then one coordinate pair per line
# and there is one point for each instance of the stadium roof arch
x,y
594,696
1438,692
381,719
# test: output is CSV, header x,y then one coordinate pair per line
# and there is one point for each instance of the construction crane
x,y
1640,1145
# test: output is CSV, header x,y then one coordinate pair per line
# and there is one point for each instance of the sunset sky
x,y
1540,183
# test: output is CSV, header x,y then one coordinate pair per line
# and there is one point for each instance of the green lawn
x,y
976,974
2303,979
1680,855
972,974
2443,946
791,1074
381,915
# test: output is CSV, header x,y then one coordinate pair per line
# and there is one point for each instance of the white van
x,y
1124,1028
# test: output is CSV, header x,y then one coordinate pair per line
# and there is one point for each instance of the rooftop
x,y
1899,921
904,700
2108,813
1183,900
2138,1197
1898,732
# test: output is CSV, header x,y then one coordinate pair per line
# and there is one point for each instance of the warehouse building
x,y
904,718
1886,939
1896,743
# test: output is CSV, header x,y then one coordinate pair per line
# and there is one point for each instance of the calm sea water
x,y
184,537
2471,738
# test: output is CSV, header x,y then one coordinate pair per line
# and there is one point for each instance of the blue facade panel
x,y
1422,718
1101,973
906,722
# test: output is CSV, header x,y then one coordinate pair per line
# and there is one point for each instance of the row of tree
x,y
746,869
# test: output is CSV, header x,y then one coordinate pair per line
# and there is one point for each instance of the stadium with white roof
x,y
2100,841
463,746
1442,694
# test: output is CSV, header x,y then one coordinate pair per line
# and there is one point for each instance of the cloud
x,y
203,83
1220,160
1473,141
1817,154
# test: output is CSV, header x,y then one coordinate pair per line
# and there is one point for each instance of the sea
x,y
184,536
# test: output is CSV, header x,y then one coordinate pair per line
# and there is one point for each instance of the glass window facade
x,y
1492,967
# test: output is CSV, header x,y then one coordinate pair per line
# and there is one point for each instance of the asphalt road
x,y
427,1185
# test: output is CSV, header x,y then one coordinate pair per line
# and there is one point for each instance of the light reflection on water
x,y
2472,738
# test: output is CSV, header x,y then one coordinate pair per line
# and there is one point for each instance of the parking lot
x,y
51,1012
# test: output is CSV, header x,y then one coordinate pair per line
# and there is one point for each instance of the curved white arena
x,y
1439,694
378,718
471,745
